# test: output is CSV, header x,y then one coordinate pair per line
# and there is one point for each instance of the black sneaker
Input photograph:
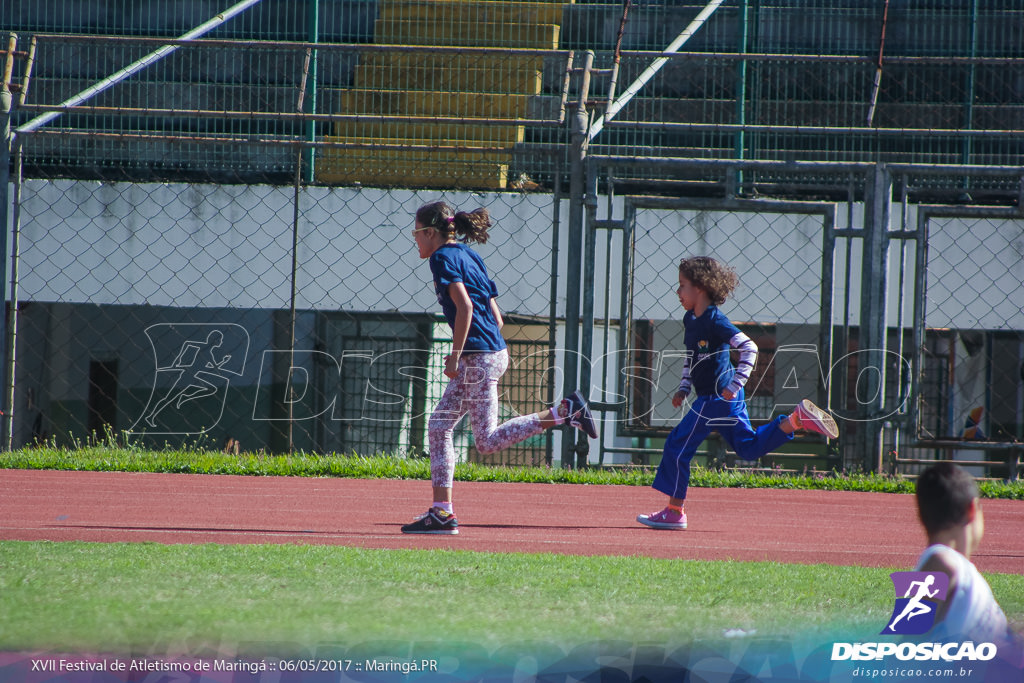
x,y
579,414
435,521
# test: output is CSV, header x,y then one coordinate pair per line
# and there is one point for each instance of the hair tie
x,y
450,219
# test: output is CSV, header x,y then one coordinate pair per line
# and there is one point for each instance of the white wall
x,y
975,270
217,245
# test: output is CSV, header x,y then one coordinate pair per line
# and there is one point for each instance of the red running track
x,y
805,527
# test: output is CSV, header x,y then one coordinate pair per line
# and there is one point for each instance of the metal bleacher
x,y
448,85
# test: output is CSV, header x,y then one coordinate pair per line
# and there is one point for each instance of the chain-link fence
x,y
903,318
177,311
971,394
238,192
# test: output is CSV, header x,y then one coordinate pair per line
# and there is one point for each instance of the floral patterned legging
x,y
474,390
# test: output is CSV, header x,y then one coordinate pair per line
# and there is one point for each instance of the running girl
x,y
478,358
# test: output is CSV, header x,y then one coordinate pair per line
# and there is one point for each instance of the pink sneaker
x,y
666,519
814,419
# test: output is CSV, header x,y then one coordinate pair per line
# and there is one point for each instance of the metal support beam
x,y
740,143
11,320
310,90
6,138
589,284
873,316
138,65
655,66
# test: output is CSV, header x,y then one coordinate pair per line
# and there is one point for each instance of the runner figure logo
x,y
918,595
194,365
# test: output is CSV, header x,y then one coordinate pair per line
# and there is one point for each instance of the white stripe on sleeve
x,y
748,357
685,383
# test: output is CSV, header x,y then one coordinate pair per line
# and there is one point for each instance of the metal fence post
x,y
6,104
312,91
589,285
970,87
577,179
873,316
11,317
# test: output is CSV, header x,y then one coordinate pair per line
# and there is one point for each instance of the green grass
x,y
104,597
91,597
200,461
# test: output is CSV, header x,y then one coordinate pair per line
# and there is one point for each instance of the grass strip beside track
x,y
200,461
91,597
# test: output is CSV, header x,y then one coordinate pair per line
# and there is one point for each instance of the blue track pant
x,y
728,418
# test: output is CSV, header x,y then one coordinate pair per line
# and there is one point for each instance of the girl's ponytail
x,y
473,226
467,226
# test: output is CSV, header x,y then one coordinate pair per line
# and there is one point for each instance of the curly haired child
x,y
704,284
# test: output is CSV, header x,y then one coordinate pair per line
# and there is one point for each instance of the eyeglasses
x,y
416,230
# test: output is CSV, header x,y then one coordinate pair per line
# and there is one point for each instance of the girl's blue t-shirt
x,y
707,339
458,263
